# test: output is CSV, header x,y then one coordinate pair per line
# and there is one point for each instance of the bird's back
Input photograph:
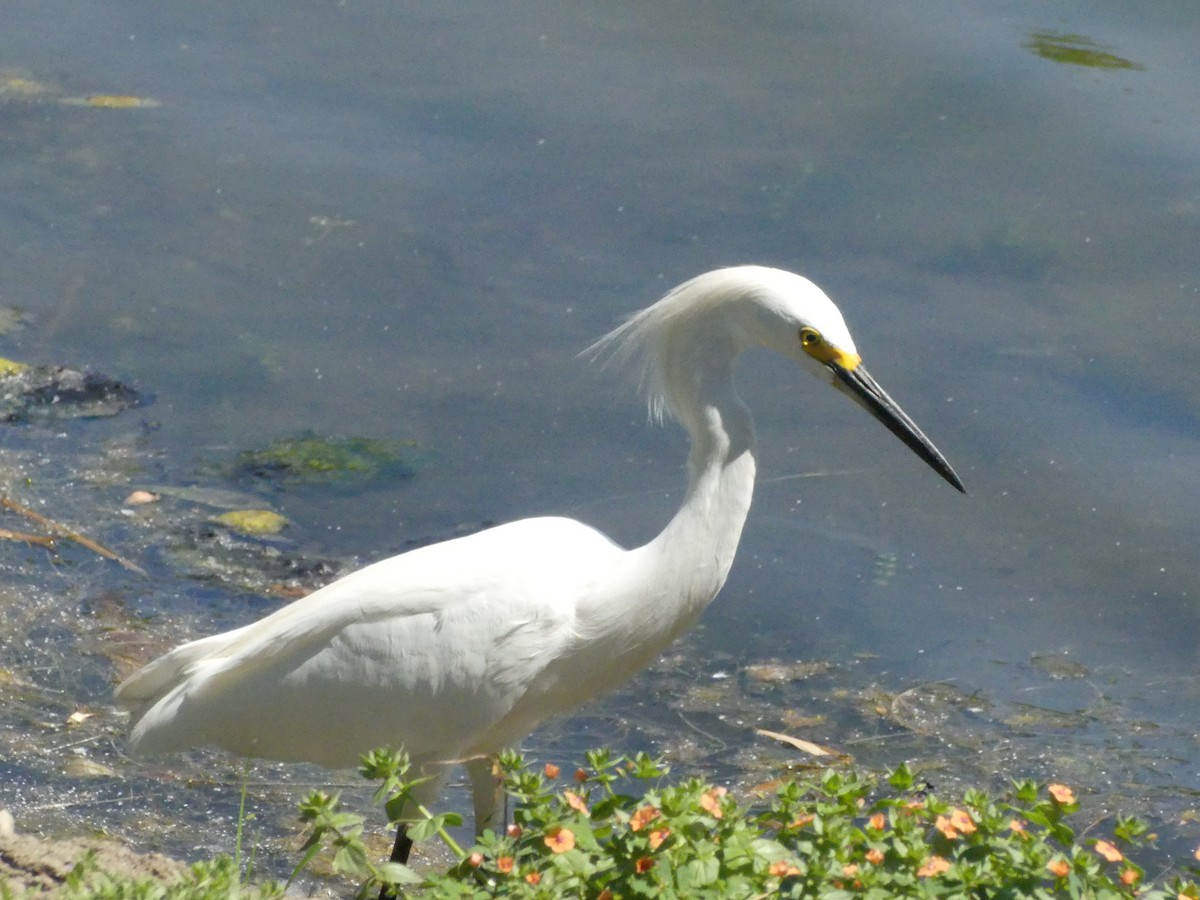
x,y
431,649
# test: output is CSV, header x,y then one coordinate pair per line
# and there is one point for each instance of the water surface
x,y
404,222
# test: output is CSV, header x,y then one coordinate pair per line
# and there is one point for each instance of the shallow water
x,y
404,223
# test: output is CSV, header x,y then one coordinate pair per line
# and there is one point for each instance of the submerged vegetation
x,y
319,459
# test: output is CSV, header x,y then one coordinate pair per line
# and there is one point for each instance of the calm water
x,y
404,221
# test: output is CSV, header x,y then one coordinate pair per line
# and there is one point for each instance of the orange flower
x,y
605,894
874,856
514,831
850,870
782,869
575,802
1061,793
657,836
946,828
1129,876
1197,853
642,817
1017,826
934,865
551,770
504,864
559,839
645,864
581,776
1059,867
710,802
802,820
533,877
1108,851
475,860
877,821
961,819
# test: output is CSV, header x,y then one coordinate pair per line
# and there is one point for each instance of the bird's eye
x,y
809,337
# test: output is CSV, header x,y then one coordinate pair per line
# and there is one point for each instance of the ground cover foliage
x,y
840,833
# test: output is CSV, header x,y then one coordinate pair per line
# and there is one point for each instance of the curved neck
x,y
690,559
656,591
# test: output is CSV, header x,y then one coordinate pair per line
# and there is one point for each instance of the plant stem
x,y
444,835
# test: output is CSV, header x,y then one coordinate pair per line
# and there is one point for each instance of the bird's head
x,y
704,324
794,317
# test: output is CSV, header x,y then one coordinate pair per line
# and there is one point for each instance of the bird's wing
x,y
426,649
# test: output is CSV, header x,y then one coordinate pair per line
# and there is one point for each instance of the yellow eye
x,y
814,344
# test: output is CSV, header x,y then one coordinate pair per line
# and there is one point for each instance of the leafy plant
x,y
838,835
209,880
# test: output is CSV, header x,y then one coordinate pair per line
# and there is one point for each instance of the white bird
x,y
459,649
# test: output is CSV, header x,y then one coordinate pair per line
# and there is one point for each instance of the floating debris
x,y
57,531
82,767
1076,50
141,498
781,672
314,459
253,522
1059,667
11,367
794,719
54,393
798,743
1029,716
938,708
20,86
249,564
16,86
111,101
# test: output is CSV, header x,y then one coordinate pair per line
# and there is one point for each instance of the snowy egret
x,y
459,649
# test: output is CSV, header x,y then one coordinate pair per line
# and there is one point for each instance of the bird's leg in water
x,y
402,847
400,851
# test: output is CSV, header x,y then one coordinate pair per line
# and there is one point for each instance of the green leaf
x,y
902,778
698,873
421,829
395,807
399,874
351,859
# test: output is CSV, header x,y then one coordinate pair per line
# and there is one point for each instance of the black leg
x,y
403,845
400,851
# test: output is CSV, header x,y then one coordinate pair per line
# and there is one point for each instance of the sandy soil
x,y
28,862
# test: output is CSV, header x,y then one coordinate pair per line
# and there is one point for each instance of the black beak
x,y
866,391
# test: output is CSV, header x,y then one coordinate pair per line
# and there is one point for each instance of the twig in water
x,y
60,531
42,540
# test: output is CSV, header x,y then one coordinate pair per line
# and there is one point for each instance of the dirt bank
x,y
28,862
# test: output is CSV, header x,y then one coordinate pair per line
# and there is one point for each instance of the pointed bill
x,y
865,390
